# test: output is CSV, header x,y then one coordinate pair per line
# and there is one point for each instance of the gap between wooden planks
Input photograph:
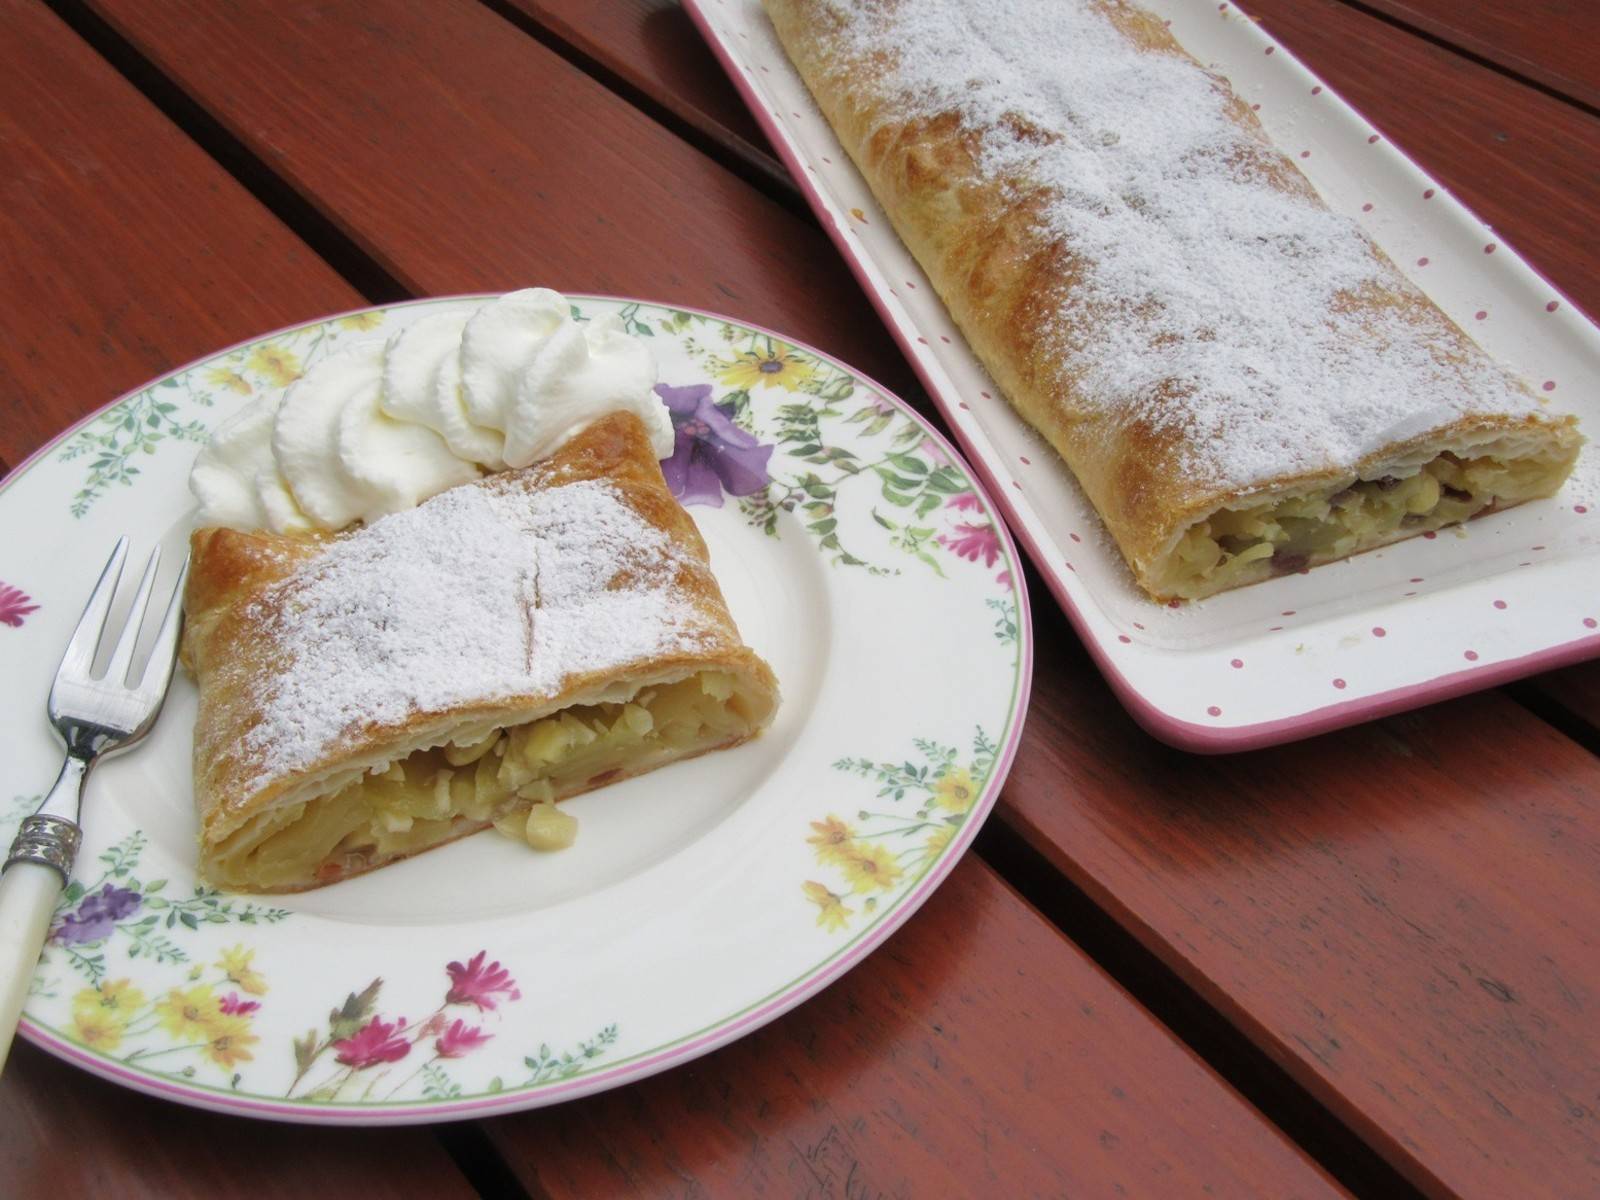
x,y
157,1149
1554,43
1426,1023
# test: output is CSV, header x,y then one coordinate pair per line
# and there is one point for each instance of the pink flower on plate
x,y
14,605
378,1041
479,985
964,500
233,1006
935,452
973,542
459,1039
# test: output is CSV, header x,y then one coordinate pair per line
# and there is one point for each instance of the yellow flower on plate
x,y
362,320
831,912
235,962
954,791
97,1028
189,1015
937,841
279,365
833,839
229,1039
229,378
868,867
117,996
779,366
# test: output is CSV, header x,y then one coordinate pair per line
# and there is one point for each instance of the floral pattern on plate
x,y
885,852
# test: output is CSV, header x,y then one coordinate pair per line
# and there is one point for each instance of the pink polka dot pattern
x,y
1214,711
1379,631
1471,656
1430,535
1275,629
1590,623
1480,315
1340,684
1305,154
1074,537
1124,639
922,341
1489,249
1427,193
963,404
1552,306
1288,612
1373,140
1237,664
1549,385
1367,207
1138,626
1415,579
1580,509
1269,50
1423,261
1025,461
1500,604
944,339
1317,91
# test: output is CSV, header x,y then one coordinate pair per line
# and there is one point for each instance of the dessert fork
x,y
95,716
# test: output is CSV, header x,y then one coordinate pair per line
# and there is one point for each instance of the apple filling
x,y
1236,546
510,778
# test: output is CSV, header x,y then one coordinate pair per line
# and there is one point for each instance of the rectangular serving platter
x,y
1416,622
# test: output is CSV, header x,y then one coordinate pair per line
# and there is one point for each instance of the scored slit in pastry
x,y
1240,379
506,644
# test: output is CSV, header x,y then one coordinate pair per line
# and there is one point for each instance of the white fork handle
x,y
28,894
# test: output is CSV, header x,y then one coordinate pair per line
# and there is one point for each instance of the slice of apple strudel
x,y
1240,379
508,643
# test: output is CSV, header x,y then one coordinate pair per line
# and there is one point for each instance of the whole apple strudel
x,y
1241,381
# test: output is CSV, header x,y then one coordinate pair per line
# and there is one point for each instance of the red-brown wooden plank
x,y
653,46
977,1054
64,1133
1555,42
521,170
124,250
1403,914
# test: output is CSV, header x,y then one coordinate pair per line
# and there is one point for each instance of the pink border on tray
x,y
1185,735
656,1061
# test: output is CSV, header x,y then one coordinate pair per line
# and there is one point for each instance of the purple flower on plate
x,y
96,914
710,453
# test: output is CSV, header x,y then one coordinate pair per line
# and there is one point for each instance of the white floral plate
x,y
699,902
1417,622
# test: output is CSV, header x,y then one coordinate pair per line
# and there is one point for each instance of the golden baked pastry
x,y
505,645
1241,381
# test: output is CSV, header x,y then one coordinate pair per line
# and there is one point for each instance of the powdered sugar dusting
x,y
1218,299
480,594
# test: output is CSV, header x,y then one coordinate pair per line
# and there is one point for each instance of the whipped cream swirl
x,y
380,426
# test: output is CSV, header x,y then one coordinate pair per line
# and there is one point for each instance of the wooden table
x,y
1364,963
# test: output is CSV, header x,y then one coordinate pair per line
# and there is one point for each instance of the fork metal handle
x,y
51,835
